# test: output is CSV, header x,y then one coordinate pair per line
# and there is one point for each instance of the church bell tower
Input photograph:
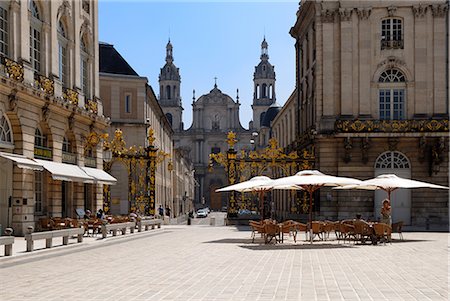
x,y
264,86
169,91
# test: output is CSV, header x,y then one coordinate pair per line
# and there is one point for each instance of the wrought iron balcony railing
x,y
90,162
69,158
44,84
41,152
70,96
12,68
392,44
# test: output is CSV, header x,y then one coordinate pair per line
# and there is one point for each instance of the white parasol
x,y
261,184
311,180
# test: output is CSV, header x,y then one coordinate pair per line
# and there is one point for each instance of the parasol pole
x,y
310,215
261,203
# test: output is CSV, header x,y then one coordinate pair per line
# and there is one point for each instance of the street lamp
x,y
253,140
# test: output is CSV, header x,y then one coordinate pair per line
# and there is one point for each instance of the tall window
x,y
38,192
168,96
3,31
169,118
66,147
264,91
127,103
392,95
35,37
84,69
5,131
39,138
261,118
391,33
62,54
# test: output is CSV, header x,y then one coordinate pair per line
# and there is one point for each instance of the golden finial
x,y
151,137
273,143
231,139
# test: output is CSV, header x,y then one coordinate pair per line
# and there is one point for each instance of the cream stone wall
x,y
28,104
340,56
146,113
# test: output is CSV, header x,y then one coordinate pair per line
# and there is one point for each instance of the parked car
x,y
207,210
201,213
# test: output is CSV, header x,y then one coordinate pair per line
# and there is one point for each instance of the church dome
x,y
271,113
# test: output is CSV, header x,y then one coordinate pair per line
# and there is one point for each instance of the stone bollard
x,y
212,221
9,231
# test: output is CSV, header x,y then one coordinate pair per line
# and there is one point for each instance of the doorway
x,y
398,164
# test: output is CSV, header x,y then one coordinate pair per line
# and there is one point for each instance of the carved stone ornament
x,y
347,147
327,15
46,112
71,121
439,10
345,14
391,62
365,144
422,149
86,27
391,10
13,100
363,13
392,143
64,9
419,10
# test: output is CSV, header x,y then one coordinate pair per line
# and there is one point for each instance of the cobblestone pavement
x,y
201,262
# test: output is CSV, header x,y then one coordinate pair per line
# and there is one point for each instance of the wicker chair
x,y
363,231
257,227
272,231
397,227
346,231
382,232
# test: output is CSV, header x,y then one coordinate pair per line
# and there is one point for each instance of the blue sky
x,y
210,39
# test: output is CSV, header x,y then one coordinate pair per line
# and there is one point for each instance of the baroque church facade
x,y
214,115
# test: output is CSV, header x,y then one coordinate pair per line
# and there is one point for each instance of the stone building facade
x,y
372,98
50,111
131,105
214,115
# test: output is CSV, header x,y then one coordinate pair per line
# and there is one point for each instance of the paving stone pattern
x,y
201,262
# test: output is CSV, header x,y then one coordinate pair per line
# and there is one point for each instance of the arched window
x,y
392,95
257,92
63,54
84,67
392,76
35,37
169,118
39,138
392,160
168,96
4,32
261,118
264,91
391,33
5,131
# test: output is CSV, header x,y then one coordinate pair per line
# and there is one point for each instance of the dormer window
x,y
392,33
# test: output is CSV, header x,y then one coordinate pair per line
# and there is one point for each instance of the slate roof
x,y
112,62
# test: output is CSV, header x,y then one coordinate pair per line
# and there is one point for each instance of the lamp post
x,y
107,161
